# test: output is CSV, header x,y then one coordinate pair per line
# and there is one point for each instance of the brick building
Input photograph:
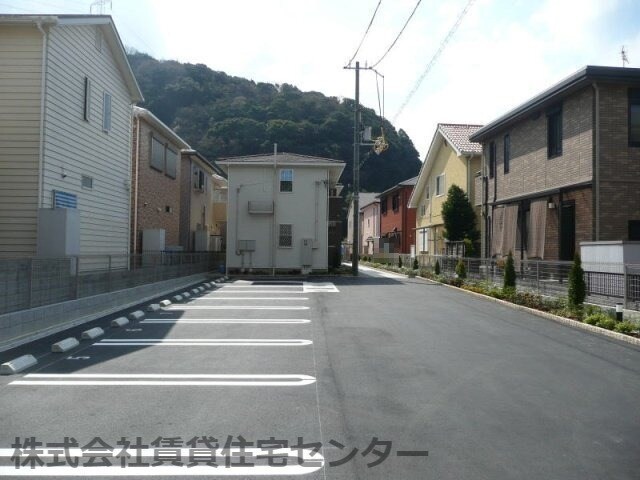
x,y
563,168
155,179
397,220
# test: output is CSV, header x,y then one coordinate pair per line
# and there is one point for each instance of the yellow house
x,y
452,160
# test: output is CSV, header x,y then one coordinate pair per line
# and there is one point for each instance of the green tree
x,y
399,262
509,273
461,269
459,217
436,268
416,265
577,287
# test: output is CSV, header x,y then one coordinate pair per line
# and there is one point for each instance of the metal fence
x,y
607,283
35,282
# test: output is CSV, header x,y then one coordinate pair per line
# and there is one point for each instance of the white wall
x,y
297,208
75,147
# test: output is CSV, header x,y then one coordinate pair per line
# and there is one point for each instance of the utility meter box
x,y
58,232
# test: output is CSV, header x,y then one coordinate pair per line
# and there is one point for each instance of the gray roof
x,y
281,158
582,78
367,198
458,136
405,183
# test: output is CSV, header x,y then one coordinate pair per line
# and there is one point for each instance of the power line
x,y
399,34
365,33
434,59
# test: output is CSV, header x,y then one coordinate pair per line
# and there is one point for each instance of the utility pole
x,y
356,177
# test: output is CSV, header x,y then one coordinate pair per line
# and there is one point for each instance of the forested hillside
x,y
221,115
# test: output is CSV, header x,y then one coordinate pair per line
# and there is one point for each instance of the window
x,y
395,202
440,185
87,99
507,152
106,112
493,154
423,210
198,179
554,132
171,163
87,182
634,230
383,206
286,180
634,117
157,154
426,191
285,238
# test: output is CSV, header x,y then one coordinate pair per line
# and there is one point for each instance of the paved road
x,y
489,392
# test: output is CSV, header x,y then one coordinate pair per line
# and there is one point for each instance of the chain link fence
x,y
607,283
35,282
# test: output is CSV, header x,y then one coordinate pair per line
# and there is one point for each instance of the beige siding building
x,y
66,90
451,160
203,204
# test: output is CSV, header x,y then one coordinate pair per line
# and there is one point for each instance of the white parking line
x,y
203,342
236,307
214,298
299,462
249,287
228,320
156,379
239,291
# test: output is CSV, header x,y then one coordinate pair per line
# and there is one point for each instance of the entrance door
x,y
568,231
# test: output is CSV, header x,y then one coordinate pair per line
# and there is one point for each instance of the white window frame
x,y
281,236
283,170
440,191
423,209
106,112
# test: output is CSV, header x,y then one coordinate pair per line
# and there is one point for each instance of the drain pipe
x,y
273,216
135,187
43,88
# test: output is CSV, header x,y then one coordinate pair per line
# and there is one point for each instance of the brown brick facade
x,y
157,195
571,176
619,165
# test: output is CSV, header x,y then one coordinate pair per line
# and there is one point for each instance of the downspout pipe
x,y
596,166
43,88
136,187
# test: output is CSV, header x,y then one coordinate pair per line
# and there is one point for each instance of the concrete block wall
x,y
27,325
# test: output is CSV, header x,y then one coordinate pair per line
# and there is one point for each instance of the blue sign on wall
x,y
64,200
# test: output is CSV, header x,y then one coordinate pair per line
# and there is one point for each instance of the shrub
x,y
530,300
625,327
608,323
399,262
577,287
416,265
595,318
461,270
509,272
436,267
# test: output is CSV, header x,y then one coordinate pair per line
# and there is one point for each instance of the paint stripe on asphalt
x,y
299,462
236,307
228,320
215,299
203,342
174,380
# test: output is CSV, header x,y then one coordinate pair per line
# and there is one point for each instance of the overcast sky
x,y
504,52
